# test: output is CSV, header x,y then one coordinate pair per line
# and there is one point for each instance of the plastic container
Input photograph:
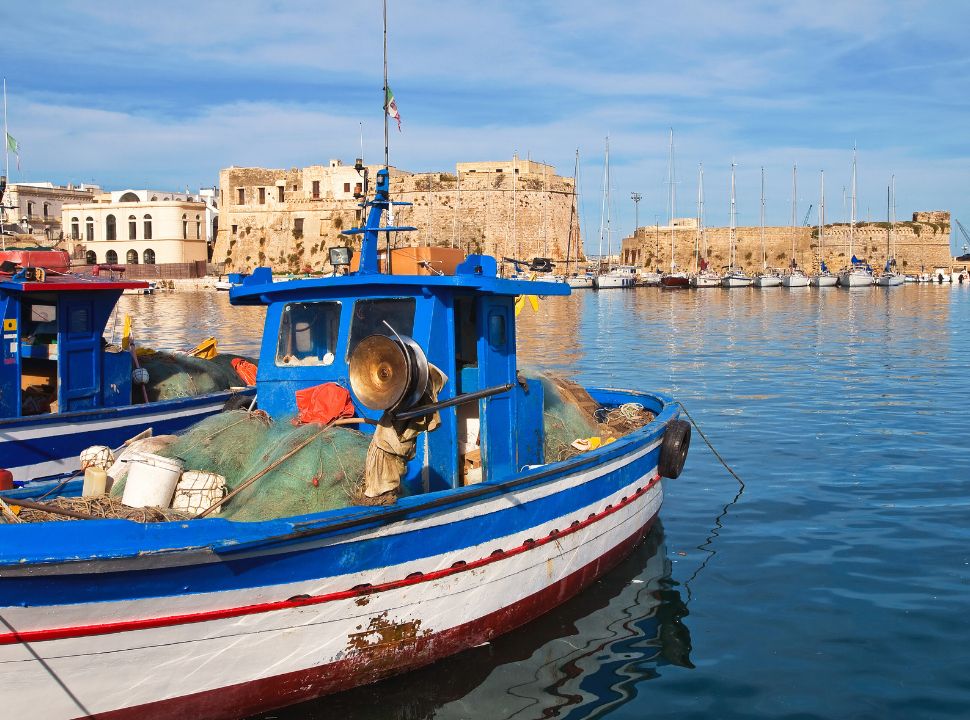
x,y
151,480
95,482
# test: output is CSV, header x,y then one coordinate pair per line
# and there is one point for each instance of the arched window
x,y
154,198
132,257
111,257
149,256
30,209
110,229
185,227
128,197
91,257
46,209
89,229
148,227
132,227
75,229
198,228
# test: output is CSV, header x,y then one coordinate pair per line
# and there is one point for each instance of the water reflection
x,y
583,659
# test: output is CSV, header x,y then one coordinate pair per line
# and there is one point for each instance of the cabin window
x,y
308,334
132,227
369,317
110,229
132,257
111,257
497,335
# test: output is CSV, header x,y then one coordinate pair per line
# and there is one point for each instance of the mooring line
x,y
716,453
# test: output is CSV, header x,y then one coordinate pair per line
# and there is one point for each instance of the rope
x,y
708,442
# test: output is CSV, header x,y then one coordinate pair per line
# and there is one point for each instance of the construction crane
x,y
963,230
807,214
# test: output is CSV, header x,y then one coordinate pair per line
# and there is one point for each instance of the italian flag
x,y
390,105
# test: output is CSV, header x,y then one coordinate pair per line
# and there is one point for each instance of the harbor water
x,y
832,582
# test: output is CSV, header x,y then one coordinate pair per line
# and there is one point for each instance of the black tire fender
x,y
237,402
673,449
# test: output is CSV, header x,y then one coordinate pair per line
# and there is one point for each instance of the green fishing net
x,y
303,469
175,376
565,421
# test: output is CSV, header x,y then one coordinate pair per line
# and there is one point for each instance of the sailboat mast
x,y
700,218
794,208
609,209
390,206
764,254
733,220
572,215
892,219
672,198
606,192
821,219
700,212
6,163
852,207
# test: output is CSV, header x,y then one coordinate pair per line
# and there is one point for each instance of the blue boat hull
x,y
42,446
309,605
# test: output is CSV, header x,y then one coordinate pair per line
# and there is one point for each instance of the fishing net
x,y
174,375
565,419
102,507
304,469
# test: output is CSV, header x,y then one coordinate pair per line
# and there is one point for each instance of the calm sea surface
x,y
836,585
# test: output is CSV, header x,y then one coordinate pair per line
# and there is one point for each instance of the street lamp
x,y
636,198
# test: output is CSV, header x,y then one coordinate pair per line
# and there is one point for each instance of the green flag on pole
x,y
390,105
14,147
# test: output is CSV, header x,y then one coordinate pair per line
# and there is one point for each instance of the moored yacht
x,y
735,275
795,278
769,277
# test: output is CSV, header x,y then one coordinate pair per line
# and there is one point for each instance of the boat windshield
x,y
369,317
308,333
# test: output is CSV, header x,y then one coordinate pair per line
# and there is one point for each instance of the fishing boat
x,y
734,275
824,277
858,272
62,387
217,618
674,278
768,277
890,276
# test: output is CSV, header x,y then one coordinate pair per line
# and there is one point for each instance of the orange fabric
x,y
324,403
245,370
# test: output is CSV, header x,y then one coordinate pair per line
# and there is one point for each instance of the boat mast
x,y
734,221
699,242
572,216
794,208
609,209
672,197
390,206
764,254
892,219
606,193
852,208
821,221
6,165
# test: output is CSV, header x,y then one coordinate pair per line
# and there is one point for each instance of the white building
x,y
123,227
36,208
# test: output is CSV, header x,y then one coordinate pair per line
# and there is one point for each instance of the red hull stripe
x,y
32,636
266,694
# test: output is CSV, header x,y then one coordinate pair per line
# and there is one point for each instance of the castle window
x,y
235,229
262,196
241,196
316,189
279,193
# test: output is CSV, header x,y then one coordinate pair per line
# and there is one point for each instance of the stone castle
x,y
289,218
923,242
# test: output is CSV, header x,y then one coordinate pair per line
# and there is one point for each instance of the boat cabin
x,y
465,326
54,358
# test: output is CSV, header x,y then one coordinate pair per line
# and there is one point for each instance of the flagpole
x,y
6,165
390,206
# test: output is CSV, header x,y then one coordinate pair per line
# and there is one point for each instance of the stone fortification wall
x,y
921,243
289,218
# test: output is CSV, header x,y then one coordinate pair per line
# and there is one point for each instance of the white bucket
x,y
151,480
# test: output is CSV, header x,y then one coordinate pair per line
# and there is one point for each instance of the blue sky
x,y
130,94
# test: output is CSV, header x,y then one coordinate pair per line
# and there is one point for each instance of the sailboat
x,y
858,273
890,277
768,277
674,278
735,276
795,277
703,276
824,278
618,277
579,279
